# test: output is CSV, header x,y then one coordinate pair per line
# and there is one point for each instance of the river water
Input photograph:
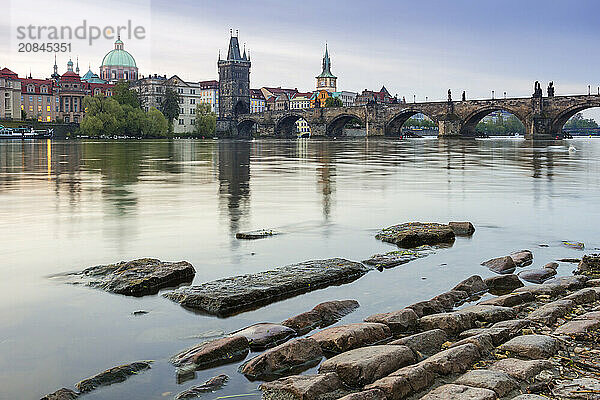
x,y
66,205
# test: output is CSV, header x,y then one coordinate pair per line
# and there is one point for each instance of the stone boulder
x,y
213,352
427,343
539,275
134,278
462,228
452,323
581,329
589,264
264,335
372,394
415,234
510,300
339,339
583,296
292,356
304,387
395,258
214,383
521,369
61,394
498,381
483,341
404,382
365,365
531,346
322,315
490,313
400,321
503,284
522,258
579,389
451,299
459,392
501,265
473,286
453,360
228,296
113,375
427,307
549,313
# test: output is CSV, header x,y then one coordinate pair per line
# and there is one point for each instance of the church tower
x,y
234,87
326,80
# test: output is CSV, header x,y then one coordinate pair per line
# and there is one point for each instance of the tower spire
x,y
77,67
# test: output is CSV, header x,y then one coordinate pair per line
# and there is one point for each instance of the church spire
x,y
55,74
326,72
77,67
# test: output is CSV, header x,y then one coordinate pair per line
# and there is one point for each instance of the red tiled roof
x,y
37,84
7,73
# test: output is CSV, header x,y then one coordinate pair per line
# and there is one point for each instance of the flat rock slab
x,y
400,321
264,335
257,234
427,307
228,296
134,278
365,365
372,394
483,341
453,360
399,257
304,387
530,397
459,392
61,394
451,299
510,300
522,258
291,357
404,382
549,313
580,389
540,275
427,343
113,375
503,284
579,329
210,385
521,369
213,352
473,286
501,265
583,296
415,234
452,323
462,228
322,315
531,346
498,381
490,313
342,338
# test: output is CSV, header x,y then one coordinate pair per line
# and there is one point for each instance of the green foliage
x,y
124,95
105,116
170,106
501,126
206,120
333,102
577,122
417,123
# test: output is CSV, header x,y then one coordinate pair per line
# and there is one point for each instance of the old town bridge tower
x,y
234,87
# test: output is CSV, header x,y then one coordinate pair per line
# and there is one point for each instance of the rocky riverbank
x,y
520,342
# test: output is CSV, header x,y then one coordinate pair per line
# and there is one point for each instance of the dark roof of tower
x,y
234,50
326,72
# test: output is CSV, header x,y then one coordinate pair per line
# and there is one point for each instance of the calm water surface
x,y
68,205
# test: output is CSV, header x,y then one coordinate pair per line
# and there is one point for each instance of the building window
x,y
180,121
192,111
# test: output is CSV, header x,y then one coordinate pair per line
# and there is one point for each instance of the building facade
x,y
369,96
10,95
346,97
300,101
257,101
118,65
190,95
326,80
40,99
210,94
151,90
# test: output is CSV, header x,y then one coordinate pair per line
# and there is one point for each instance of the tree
x,y
124,95
170,107
333,102
578,122
206,120
501,126
155,125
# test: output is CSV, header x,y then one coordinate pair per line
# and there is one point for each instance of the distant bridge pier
x,y
449,128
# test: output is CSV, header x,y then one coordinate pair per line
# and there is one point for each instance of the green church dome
x,y
118,57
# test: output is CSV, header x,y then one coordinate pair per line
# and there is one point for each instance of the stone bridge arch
x,y
247,128
335,124
564,115
285,126
471,120
394,125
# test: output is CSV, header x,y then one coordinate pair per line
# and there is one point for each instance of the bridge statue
x,y
464,96
449,95
537,89
551,89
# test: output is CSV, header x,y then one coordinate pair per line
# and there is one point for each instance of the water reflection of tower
x,y
326,177
234,181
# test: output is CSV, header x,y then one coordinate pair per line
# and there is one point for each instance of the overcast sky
x,y
412,47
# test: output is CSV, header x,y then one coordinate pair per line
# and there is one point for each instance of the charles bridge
x,y
543,117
